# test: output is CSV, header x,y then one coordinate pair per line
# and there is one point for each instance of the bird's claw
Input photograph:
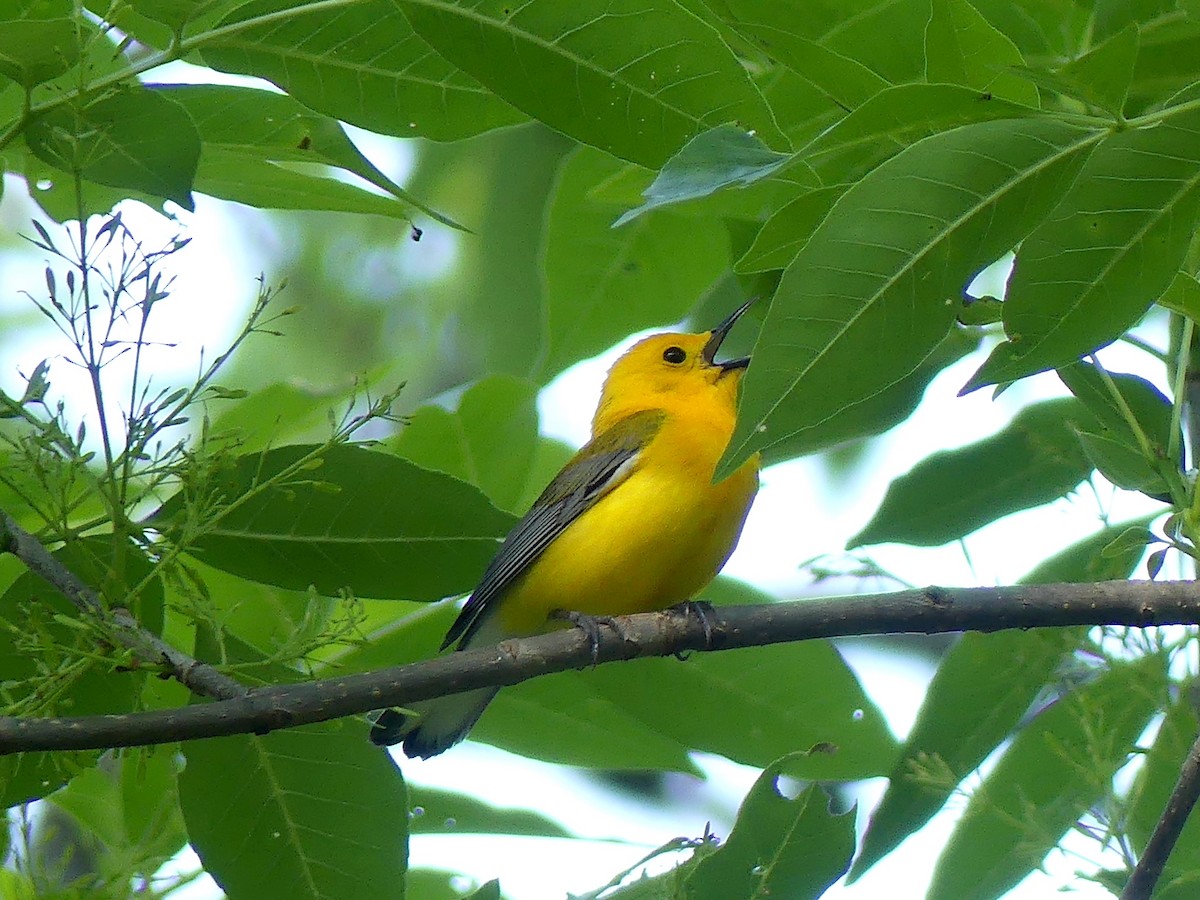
x,y
590,626
702,610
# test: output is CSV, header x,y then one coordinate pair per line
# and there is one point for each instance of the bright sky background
x,y
800,513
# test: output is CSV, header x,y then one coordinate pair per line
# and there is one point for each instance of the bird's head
x,y
668,369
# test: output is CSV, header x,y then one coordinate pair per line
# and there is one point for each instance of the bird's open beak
x,y
718,335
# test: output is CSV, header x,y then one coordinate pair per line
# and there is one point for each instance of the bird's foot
x,y
590,626
702,610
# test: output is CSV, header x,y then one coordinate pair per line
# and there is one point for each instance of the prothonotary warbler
x,y
633,522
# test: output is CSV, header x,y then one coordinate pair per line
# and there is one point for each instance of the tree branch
x,y
149,648
929,611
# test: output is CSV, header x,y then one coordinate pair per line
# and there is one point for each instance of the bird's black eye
x,y
674,355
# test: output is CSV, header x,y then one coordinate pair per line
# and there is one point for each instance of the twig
x,y
928,611
1149,868
148,647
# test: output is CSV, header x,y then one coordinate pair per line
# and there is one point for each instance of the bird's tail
x,y
436,725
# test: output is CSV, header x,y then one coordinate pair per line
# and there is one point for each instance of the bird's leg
x,y
702,610
590,625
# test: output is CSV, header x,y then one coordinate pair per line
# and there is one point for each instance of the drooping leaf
x,y
359,519
247,133
1112,246
359,62
722,157
634,78
949,205
1034,460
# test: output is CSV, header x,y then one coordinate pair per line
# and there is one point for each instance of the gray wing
x,y
602,464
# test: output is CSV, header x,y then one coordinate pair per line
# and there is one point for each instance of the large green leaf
x,y
131,138
357,519
1166,60
779,846
788,230
359,62
1113,245
961,47
80,684
644,274
313,812
982,688
248,133
1054,770
866,301
36,50
1034,460
489,441
636,78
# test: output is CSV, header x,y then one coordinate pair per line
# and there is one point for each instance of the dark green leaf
x,y
1054,770
1166,60
1114,243
1122,464
1034,460
779,846
984,685
306,812
359,62
634,78
1183,296
788,230
1103,74
130,139
725,156
488,441
368,521
35,50
962,48
647,273
948,205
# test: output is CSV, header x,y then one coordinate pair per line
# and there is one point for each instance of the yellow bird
x,y
633,522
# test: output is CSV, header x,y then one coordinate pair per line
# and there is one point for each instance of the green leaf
x,y
982,688
280,413
725,156
489,441
892,120
1122,464
1102,75
636,78
1166,61
1054,770
36,50
779,846
962,48
247,133
369,521
647,273
1183,296
307,812
843,79
948,206
130,139
788,230
358,62
1034,460
1114,243
434,811
81,683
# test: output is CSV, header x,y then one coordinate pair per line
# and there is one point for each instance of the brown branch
x,y
1150,867
148,647
928,611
